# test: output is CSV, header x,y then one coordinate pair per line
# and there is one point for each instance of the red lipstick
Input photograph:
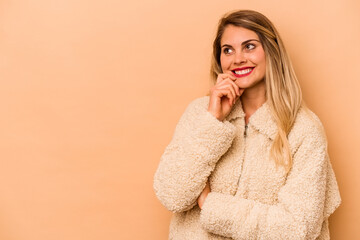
x,y
241,69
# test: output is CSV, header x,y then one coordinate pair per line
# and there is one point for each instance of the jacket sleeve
x,y
197,144
308,197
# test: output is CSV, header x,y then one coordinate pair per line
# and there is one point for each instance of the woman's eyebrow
x,y
226,45
243,43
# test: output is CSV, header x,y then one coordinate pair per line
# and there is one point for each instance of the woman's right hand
x,y
223,96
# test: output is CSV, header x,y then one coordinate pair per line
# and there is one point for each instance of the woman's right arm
x,y
199,141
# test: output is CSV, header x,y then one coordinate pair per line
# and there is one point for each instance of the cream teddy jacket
x,y
250,198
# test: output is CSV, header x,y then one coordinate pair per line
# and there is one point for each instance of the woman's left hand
x,y
204,194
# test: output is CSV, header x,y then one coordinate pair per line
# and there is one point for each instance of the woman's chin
x,y
247,83
241,84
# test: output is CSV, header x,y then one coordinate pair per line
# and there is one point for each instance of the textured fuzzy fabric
x,y
250,197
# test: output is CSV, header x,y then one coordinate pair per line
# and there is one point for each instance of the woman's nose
x,y
239,57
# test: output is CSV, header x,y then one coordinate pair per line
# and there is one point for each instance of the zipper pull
x,y
245,132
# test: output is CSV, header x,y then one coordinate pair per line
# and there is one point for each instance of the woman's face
x,y
243,56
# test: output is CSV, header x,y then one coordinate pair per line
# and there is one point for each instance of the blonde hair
x,y
283,91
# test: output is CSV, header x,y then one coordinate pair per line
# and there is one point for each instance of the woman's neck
x,y
252,99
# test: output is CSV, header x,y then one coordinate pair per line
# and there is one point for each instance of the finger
x,y
226,92
223,76
228,75
232,77
236,87
232,83
229,83
219,79
230,87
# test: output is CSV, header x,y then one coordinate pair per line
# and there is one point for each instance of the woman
x,y
249,161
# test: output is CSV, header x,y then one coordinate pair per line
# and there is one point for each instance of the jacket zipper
x,y
244,152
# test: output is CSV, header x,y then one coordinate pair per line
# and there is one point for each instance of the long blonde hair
x,y
283,91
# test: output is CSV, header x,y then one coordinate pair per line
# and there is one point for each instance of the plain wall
x,y
91,92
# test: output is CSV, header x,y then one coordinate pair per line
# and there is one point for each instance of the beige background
x,y
91,92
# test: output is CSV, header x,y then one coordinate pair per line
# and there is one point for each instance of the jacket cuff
x,y
214,216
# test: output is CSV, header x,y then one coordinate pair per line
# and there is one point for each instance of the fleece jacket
x,y
250,198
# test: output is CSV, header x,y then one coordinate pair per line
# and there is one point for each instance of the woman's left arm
x,y
309,196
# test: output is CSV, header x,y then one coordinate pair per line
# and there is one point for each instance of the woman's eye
x,y
227,50
250,46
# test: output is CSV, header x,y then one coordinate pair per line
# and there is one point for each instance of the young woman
x,y
249,161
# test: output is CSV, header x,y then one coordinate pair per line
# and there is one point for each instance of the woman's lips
x,y
242,72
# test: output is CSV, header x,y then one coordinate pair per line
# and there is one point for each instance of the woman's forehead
x,y
236,35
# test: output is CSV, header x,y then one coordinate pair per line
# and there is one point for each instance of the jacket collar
x,y
236,112
261,120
